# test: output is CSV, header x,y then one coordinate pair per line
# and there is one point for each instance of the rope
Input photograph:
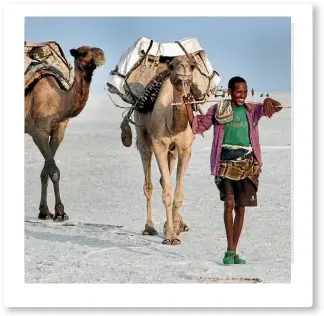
x,y
122,107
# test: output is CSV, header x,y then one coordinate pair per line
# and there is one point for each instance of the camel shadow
x,y
128,239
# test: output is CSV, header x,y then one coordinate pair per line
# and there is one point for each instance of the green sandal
x,y
229,257
238,260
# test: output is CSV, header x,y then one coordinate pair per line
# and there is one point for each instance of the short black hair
x,y
233,81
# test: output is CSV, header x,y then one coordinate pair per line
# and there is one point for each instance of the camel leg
x,y
172,157
183,161
161,154
49,169
41,141
54,143
144,146
44,212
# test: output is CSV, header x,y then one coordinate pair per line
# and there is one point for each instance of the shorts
x,y
244,191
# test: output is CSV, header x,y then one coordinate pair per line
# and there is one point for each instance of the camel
x,y
47,112
166,132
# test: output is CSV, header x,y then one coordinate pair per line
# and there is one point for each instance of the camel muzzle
x,y
99,62
185,87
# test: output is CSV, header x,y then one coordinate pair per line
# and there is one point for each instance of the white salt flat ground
x,y
101,183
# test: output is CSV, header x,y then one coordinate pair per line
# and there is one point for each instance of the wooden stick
x,y
200,102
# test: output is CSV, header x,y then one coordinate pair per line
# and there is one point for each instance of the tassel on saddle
x,y
146,102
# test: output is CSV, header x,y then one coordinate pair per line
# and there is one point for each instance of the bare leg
x,y
183,161
228,220
238,224
161,154
144,146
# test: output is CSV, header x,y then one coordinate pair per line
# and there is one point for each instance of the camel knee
x,y
178,202
167,199
52,171
148,189
44,175
55,176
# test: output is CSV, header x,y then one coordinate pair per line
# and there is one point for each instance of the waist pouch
x,y
233,154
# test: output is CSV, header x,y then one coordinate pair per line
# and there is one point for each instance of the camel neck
x,y
77,96
180,115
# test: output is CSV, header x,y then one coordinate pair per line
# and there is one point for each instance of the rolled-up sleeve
x,y
257,113
202,123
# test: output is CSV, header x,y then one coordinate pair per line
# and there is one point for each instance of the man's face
x,y
239,93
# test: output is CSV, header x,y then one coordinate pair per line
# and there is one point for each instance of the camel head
x,y
181,73
194,78
88,58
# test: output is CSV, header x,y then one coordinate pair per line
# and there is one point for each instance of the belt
x,y
244,157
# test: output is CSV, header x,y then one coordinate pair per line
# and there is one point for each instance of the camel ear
x,y
74,52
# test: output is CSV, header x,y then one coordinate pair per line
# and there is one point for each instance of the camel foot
x,y
45,216
149,231
184,228
60,217
173,241
180,227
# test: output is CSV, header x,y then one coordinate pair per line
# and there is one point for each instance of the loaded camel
x,y
166,132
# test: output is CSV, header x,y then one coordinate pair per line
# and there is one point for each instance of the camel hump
x,y
44,59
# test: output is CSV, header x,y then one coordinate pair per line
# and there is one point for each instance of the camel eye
x,y
83,54
192,67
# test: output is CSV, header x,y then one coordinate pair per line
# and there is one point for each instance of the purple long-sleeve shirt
x,y
202,123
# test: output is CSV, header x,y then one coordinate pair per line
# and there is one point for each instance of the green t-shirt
x,y
236,132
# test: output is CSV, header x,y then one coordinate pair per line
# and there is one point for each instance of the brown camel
x,y
47,112
166,132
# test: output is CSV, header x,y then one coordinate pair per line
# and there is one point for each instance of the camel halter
x,y
193,61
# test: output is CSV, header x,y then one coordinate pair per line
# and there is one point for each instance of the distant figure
x,y
261,95
267,95
252,91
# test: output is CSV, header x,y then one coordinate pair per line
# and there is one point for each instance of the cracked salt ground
x,y
101,188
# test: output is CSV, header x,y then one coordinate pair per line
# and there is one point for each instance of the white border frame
x,y
297,294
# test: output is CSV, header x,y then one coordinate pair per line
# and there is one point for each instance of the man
x,y
235,156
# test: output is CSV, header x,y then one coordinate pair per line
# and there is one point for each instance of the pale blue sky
x,y
256,48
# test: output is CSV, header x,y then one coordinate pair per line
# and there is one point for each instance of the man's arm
x,y
202,123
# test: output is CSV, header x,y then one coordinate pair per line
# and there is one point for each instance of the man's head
x,y
237,89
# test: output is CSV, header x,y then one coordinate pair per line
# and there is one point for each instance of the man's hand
x,y
270,107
